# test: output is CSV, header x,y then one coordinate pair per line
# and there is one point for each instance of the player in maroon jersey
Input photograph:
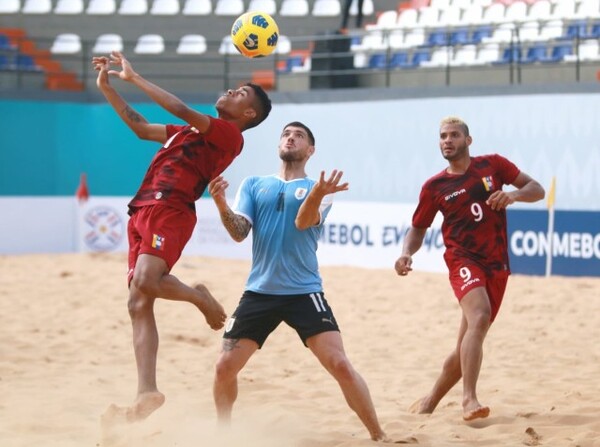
x,y
469,195
163,212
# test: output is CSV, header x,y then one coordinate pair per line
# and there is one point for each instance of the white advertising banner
x,y
356,234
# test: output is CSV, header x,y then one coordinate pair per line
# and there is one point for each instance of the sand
x,y
66,355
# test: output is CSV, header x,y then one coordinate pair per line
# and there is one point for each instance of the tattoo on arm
x,y
237,226
229,344
132,115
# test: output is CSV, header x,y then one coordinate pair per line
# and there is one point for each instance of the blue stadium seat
x,y
5,43
509,55
559,52
437,38
399,60
24,62
460,37
536,53
5,64
575,30
594,32
293,61
420,56
378,61
481,32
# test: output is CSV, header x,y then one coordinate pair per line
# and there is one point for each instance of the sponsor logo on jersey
x,y
488,183
470,282
300,193
455,194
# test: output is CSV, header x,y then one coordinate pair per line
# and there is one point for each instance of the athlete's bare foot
x,y
213,311
144,405
383,438
479,412
420,406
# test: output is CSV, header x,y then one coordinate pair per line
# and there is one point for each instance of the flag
x,y
82,192
551,194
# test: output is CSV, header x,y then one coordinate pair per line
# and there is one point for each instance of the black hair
x,y
311,137
262,105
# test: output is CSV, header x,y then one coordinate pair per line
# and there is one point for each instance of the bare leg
x,y
328,348
476,309
234,356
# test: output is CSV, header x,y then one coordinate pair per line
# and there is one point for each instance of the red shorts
x,y
466,276
159,231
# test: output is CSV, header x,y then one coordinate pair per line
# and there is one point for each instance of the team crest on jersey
x,y
300,193
158,242
488,183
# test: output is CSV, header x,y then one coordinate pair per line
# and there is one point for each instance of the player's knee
x,y
145,284
341,368
225,370
138,304
481,320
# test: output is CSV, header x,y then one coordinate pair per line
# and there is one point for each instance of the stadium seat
x,y
227,46
528,31
473,15
372,41
559,52
284,45
191,44
428,17
460,36
488,53
377,61
587,51
588,9
150,44
66,43
552,29
101,7
25,62
564,9
5,63
511,54
399,60
10,6
396,39
465,55
36,7
133,7
540,10
536,53
385,20
197,8
437,38
575,30
229,7
165,7
268,6
326,8
440,4
407,18
503,33
105,43
481,32
493,13
594,31
68,7
414,37
516,12
5,43
419,57
450,17
464,4
440,57
294,8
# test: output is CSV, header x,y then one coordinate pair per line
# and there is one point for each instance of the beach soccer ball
x,y
255,34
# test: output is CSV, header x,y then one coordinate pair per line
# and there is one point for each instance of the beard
x,y
458,153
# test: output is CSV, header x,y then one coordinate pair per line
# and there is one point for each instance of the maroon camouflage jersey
x,y
471,229
189,160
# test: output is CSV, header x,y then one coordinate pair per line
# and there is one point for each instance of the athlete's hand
x,y
101,65
403,265
499,200
217,188
331,185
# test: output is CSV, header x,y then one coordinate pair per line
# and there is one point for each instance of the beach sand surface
x,y
66,355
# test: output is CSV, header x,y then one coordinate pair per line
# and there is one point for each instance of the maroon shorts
x,y
159,231
466,276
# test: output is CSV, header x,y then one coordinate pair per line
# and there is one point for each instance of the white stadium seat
x,y
66,43
150,44
191,44
197,8
105,43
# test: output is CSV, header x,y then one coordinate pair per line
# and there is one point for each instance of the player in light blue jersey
x,y
286,213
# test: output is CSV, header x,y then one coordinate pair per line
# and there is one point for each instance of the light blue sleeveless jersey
x,y
284,259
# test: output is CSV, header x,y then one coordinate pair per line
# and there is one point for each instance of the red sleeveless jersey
x,y
471,229
181,170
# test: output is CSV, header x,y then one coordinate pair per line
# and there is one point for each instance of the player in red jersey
x,y
163,213
469,195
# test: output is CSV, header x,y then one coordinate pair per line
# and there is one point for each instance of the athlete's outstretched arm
x,y
135,121
237,226
412,243
308,214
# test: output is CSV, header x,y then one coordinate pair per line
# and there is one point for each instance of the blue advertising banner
x,y
574,244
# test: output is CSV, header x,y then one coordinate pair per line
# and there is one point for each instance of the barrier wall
x,y
358,234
